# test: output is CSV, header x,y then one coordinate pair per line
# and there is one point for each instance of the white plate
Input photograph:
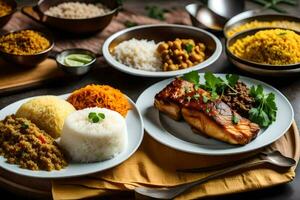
x,y
135,131
159,30
178,135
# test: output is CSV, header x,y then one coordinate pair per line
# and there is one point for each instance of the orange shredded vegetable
x,y
102,96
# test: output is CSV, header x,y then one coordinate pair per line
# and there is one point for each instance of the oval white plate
x,y
178,135
135,131
172,27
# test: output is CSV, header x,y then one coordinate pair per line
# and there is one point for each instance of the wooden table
x,y
133,87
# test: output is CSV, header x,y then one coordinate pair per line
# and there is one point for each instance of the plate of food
x,y
162,50
214,114
69,135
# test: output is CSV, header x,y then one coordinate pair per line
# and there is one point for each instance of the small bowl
x,y
4,19
77,26
29,60
259,68
80,70
203,17
158,33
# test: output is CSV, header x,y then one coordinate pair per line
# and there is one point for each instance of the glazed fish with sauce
x,y
212,118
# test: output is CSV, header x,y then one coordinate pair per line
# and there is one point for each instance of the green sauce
x,y
77,60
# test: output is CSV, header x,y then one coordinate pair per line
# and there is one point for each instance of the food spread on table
x,y
97,127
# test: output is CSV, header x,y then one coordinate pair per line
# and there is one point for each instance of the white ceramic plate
x,y
135,135
178,135
161,32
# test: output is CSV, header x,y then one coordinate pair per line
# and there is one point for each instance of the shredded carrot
x,y
102,96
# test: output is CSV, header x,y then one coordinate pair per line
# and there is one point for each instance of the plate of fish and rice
x,y
221,114
162,50
90,130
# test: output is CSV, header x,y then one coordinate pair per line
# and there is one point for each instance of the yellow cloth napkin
x,y
155,165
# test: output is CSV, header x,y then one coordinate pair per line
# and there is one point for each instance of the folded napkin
x,y
155,165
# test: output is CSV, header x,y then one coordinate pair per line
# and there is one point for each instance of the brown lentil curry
x,y
26,42
23,143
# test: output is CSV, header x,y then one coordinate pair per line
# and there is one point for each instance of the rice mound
x,y
47,112
138,54
85,141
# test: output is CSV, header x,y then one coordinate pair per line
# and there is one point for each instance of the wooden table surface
x,y
133,86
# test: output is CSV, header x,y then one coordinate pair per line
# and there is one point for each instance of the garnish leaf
x,y
232,79
95,118
265,112
192,77
189,48
24,126
130,24
235,119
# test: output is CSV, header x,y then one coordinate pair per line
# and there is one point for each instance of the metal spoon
x,y
274,158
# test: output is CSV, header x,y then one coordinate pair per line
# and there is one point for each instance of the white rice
x,y
86,141
77,10
138,54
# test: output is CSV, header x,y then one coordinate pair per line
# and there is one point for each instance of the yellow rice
x,y
260,24
274,47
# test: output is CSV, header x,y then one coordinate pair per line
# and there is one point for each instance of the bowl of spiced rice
x,y
26,47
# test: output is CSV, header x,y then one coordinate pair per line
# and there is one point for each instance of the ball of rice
x,y
47,112
87,141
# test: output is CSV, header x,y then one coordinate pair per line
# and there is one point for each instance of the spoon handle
x,y
222,172
170,193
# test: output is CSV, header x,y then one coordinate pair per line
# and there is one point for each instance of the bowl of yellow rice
x,y
26,47
265,49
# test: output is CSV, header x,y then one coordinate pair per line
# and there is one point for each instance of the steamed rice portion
x,y
138,54
87,141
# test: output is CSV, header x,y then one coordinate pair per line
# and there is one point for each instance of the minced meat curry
x,y
23,143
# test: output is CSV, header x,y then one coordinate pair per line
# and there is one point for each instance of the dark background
x,y
133,86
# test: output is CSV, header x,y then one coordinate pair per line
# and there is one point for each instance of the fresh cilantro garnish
x,y
196,96
96,117
189,48
265,113
156,12
129,24
207,110
216,85
204,99
24,126
235,119
192,77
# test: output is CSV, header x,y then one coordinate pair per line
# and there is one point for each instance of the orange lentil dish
x,y
4,8
26,42
102,96
23,143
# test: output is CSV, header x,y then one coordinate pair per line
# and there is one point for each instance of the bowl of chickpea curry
x,y
162,50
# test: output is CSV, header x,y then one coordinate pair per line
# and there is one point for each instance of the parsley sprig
x,y
96,117
265,113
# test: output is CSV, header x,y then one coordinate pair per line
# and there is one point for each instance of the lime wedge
x,y
77,59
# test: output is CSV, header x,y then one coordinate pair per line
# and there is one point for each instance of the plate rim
x,y
137,72
49,175
214,152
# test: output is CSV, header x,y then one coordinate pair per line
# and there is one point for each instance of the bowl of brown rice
x,y
77,17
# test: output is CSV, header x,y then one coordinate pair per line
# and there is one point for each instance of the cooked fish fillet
x,y
213,118
170,99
